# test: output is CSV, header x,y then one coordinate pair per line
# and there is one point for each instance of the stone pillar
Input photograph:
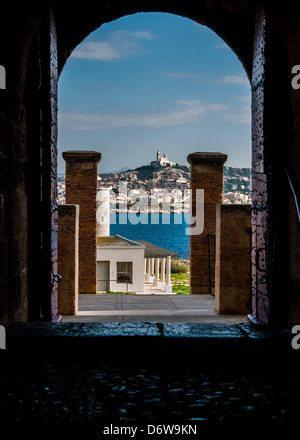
x,y
81,189
152,267
233,259
156,280
68,230
169,285
148,268
103,212
151,272
206,174
163,270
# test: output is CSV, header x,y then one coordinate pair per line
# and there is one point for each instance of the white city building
x,y
120,265
125,265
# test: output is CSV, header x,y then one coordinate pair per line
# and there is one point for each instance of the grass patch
x,y
180,283
180,289
180,278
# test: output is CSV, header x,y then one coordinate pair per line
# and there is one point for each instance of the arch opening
x,y
108,52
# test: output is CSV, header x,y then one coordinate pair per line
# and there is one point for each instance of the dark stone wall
x,y
286,25
17,30
233,20
275,278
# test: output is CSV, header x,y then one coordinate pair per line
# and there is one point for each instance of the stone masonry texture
x,y
81,189
68,219
233,259
206,174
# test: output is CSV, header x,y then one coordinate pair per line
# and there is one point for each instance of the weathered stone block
x,y
68,235
258,122
206,174
197,289
258,155
233,259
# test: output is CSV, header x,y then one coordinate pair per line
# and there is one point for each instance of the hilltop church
x,y
161,161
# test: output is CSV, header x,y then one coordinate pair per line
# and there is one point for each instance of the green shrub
x,y
178,266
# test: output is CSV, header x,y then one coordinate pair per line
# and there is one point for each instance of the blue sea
x,y
166,231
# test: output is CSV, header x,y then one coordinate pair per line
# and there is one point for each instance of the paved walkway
x,y
158,308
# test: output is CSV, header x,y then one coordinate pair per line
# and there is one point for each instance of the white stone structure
x,y
103,212
120,265
158,266
124,265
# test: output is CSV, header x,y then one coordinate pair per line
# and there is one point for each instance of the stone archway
x,y
41,46
194,266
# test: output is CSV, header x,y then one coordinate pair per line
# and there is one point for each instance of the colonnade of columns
x,y
158,273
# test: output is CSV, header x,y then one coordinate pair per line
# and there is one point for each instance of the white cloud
x,y
118,45
180,75
93,50
146,35
236,79
183,112
241,118
246,98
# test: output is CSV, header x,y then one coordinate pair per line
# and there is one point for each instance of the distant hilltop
x,y
160,162
146,172
236,183
159,169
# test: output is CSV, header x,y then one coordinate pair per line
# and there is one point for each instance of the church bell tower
x,y
158,155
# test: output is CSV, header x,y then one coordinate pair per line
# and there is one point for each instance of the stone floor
x,y
143,373
88,393
160,308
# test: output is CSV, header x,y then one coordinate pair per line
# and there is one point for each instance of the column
x,y
103,212
148,268
145,269
169,285
163,270
68,229
81,189
156,280
206,174
151,277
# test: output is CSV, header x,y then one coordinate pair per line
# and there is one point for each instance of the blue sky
x,y
150,80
